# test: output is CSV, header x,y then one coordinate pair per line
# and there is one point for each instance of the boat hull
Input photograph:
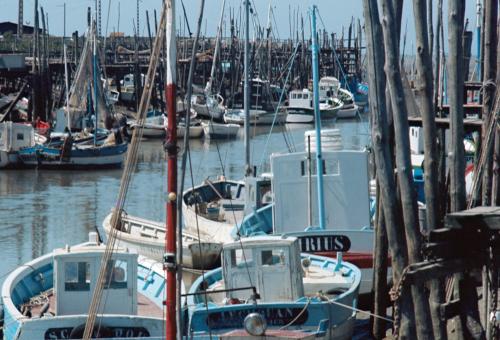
x,y
36,277
257,117
349,112
80,158
224,319
195,254
220,131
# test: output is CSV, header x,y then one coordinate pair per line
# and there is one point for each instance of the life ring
x,y
99,331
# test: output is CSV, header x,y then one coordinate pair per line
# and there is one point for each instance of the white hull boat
x,y
208,107
257,117
148,239
301,110
213,209
215,130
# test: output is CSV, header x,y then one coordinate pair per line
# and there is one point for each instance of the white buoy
x,y
331,140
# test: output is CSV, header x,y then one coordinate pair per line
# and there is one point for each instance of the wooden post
x,y
456,99
380,288
425,92
383,158
489,85
403,162
430,28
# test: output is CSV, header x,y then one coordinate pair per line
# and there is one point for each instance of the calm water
x,y
41,210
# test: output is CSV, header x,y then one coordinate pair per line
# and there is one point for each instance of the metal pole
x,y
96,93
478,37
171,147
246,98
67,89
317,120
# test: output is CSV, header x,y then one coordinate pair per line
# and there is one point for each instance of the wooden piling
x,y
403,162
383,158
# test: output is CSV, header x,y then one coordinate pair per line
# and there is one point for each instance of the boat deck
x,y
145,307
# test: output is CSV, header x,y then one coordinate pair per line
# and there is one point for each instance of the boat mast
x,y
317,120
171,147
67,89
208,88
478,37
246,97
94,66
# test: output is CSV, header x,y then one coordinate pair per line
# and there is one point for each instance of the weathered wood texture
x,y
405,178
383,156
456,99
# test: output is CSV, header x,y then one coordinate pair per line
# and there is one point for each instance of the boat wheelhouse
x,y
49,297
305,304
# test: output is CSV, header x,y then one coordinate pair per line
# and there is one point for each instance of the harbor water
x,y
42,209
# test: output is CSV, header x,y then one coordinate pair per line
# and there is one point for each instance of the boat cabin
x,y
301,99
346,190
262,262
75,275
328,88
128,80
257,193
14,136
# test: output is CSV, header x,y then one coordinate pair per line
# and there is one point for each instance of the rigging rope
x,y
126,179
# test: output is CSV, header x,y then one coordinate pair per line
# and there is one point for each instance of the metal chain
x,y
395,294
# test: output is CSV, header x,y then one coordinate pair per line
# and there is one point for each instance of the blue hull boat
x,y
317,299
49,297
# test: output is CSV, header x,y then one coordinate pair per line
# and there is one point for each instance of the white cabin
x,y
271,264
128,80
75,275
301,99
346,190
13,137
328,88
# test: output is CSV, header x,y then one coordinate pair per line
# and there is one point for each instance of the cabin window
x,y
116,276
332,167
127,79
293,95
274,257
77,276
241,258
20,136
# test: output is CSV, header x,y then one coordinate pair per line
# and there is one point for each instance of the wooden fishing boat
x,y
257,117
317,300
207,106
215,130
49,297
107,150
155,126
300,108
148,239
350,109
213,208
347,222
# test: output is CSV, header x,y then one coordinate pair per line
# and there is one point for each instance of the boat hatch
x,y
261,262
75,276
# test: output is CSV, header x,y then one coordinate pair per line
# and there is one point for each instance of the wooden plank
x,y
470,124
478,217
425,271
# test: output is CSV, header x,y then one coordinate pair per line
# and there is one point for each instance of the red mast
x,y
171,148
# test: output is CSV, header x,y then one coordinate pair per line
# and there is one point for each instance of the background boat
x,y
148,239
